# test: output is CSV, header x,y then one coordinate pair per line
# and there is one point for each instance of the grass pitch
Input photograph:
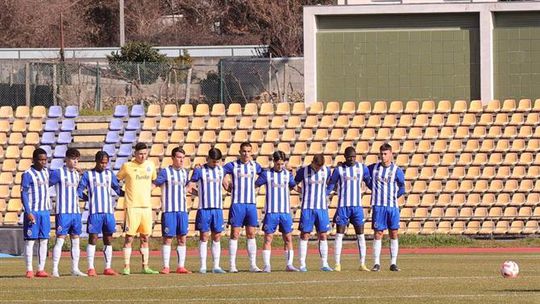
x,y
425,278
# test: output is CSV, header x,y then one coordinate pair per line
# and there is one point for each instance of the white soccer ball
x,y
509,269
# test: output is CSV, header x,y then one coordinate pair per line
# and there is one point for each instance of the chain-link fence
x,y
100,86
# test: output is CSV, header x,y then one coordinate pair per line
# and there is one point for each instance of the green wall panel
x,y
517,55
368,58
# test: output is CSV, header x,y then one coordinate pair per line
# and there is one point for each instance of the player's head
x,y
279,159
140,153
350,156
39,158
385,154
317,162
102,160
72,158
245,152
178,156
214,157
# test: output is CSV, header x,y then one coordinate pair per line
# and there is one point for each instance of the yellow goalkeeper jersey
x,y
138,182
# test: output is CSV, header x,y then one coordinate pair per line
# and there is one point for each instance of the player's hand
x,y
31,218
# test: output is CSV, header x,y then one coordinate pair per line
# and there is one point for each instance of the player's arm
x,y
261,180
54,177
26,183
228,169
82,187
298,179
115,185
367,177
332,182
292,183
400,180
122,174
370,171
195,177
161,178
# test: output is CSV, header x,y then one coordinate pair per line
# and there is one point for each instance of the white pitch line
x,y
292,298
226,285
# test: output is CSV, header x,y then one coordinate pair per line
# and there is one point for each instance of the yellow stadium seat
x,y
266,109
494,132
439,146
154,110
282,108
421,121
510,132
493,106
305,135
229,123
501,119
396,107
460,107
532,119
321,135
193,137
240,136
315,148
406,121
524,105
516,227
433,133
517,119
502,146
182,123
479,132
165,124
202,110
453,120
348,107
186,110
300,148
316,108
384,134
448,160
444,107
471,146
262,123
379,107
27,151
6,112
170,110
342,122
509,106
311,122
294,122
218,110
437,120
288,135
364,107
399,134
336,135
39,112
22,112
415,133
246,123
12,152
327,122
234,110
475,106
208,136
427,107
412,107
299,108
149,124
251,109
16,139
358,121
486,119
277,122
19,125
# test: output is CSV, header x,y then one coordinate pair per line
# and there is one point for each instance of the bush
x,y
138,62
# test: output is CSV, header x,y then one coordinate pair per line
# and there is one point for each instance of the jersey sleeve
x,y
196,176
26,183
161,178
367,177
83,184
261,180
154,171
292,183
332,181
228,168
400,180
54,177
115,185
299,175
258,168
122,173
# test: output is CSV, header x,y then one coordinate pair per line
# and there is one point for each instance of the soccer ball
x,y
509,269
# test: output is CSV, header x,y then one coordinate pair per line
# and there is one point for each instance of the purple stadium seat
x,y
71,112
67,125
137,110
47,149
116,124
48,138
51,125
129,137
56,163
110,149
119,162
124,150
60,151
133,124
64,138
55,112
112,137
121,111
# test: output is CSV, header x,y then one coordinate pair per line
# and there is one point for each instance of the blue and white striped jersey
x,y
314,187
278,184
98,186
35,190
349,184
173,189
388,184
243,180
65,182
210,186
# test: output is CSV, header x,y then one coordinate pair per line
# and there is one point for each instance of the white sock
x,y
203,252
233,247
181,252
127,256
252,252
29,254
90,253
289,257
394,248
216,253
145,253
361,243
323,250
42,253
338,244
266,257
377,244
107,255
303,252
57,252
166,252
75,253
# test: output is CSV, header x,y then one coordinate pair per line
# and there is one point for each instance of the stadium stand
x,y
470,169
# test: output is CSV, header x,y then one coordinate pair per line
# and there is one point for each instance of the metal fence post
x,y
188,85
27,83
54,88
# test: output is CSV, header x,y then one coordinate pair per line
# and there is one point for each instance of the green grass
x,y
92,112
468,278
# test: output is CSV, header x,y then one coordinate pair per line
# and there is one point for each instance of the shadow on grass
x,y
517,290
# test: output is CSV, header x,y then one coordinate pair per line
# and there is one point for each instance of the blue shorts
x,y
209,220
243,215
385,218
317,217
40,229
68,223
346,215
273,220
174,223
101,223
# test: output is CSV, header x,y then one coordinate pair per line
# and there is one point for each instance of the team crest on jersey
x,y
166,229
90,226
29,232
59,228
148,169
